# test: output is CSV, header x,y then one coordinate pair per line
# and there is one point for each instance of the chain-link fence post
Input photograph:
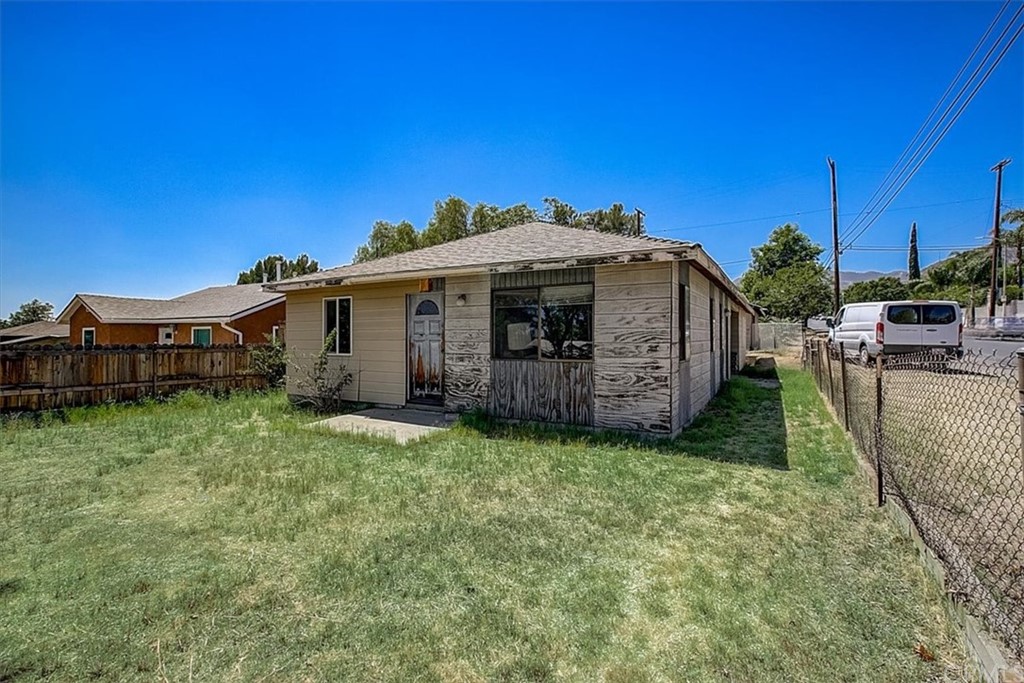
x,y
842,379
878,429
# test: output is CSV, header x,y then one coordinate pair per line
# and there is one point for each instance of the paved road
x,y
1002,347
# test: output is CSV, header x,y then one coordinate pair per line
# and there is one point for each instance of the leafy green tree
x,y
449,222
786,246
300,265
29,312
913,261
488,217
879,289
1013,236
785,277
614,220
387,239
795,292
961,268
561,213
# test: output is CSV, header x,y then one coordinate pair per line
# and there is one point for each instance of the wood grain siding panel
x,y
633,347
467,372
558,392
377,362
700,362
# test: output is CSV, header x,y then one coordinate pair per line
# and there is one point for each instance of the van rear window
x,y
938,314
904,315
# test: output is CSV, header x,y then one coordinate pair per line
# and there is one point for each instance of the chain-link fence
x,y
944,436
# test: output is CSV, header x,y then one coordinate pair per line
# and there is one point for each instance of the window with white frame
x,y
275,334
338,319
88,336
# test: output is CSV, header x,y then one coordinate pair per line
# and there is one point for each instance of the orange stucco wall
x,y
253,328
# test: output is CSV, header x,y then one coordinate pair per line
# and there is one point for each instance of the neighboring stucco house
x,y
233,314
533,322
42,333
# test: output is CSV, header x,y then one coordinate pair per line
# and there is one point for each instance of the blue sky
x,y
151,149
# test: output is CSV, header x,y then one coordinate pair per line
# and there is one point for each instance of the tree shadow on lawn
x,y
744,424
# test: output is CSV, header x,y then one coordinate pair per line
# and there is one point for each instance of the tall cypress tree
x,y
913,264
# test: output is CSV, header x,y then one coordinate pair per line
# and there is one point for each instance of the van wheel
x,y
865,357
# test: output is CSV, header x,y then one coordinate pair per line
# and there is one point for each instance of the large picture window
x,y
544,323
338,319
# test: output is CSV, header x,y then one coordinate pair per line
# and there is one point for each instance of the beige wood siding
x,y
379,338
467,370
700,345
633,347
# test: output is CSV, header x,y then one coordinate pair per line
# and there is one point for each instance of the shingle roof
x,y
530,242
41,328
223,302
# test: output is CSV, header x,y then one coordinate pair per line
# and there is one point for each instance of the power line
x,y
804,213
935,108
894,184
874,218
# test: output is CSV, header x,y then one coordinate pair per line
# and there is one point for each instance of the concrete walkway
x,y
402,424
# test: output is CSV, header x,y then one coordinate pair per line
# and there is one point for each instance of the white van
x,y
892,327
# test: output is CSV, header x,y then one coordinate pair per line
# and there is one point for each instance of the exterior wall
x,y
183,333
467,343
701,370
110,334
680,366
710,366
379,339
252,328
640,382
256,327
633,347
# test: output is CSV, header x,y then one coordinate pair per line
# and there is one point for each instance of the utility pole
x,y
835,237
993,280
639,221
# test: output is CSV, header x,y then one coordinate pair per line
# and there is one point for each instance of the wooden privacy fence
x,y
42,378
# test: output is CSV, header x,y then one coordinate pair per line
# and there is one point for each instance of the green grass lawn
x,y
208,539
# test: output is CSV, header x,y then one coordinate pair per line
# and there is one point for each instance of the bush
x,y
271,361
321,387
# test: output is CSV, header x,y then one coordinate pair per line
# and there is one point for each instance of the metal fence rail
x,y
41,378
944,435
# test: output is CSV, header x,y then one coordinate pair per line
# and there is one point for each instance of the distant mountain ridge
x,y
848,277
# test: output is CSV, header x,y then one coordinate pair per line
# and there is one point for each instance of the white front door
x,y
426,346
166,335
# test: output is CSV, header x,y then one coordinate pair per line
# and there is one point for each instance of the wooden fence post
x,y
831,383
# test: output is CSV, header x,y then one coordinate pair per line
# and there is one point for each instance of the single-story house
x,y
232,314
42,332
534,322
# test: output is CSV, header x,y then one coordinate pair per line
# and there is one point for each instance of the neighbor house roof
x,y
42,329
531,245
210,304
